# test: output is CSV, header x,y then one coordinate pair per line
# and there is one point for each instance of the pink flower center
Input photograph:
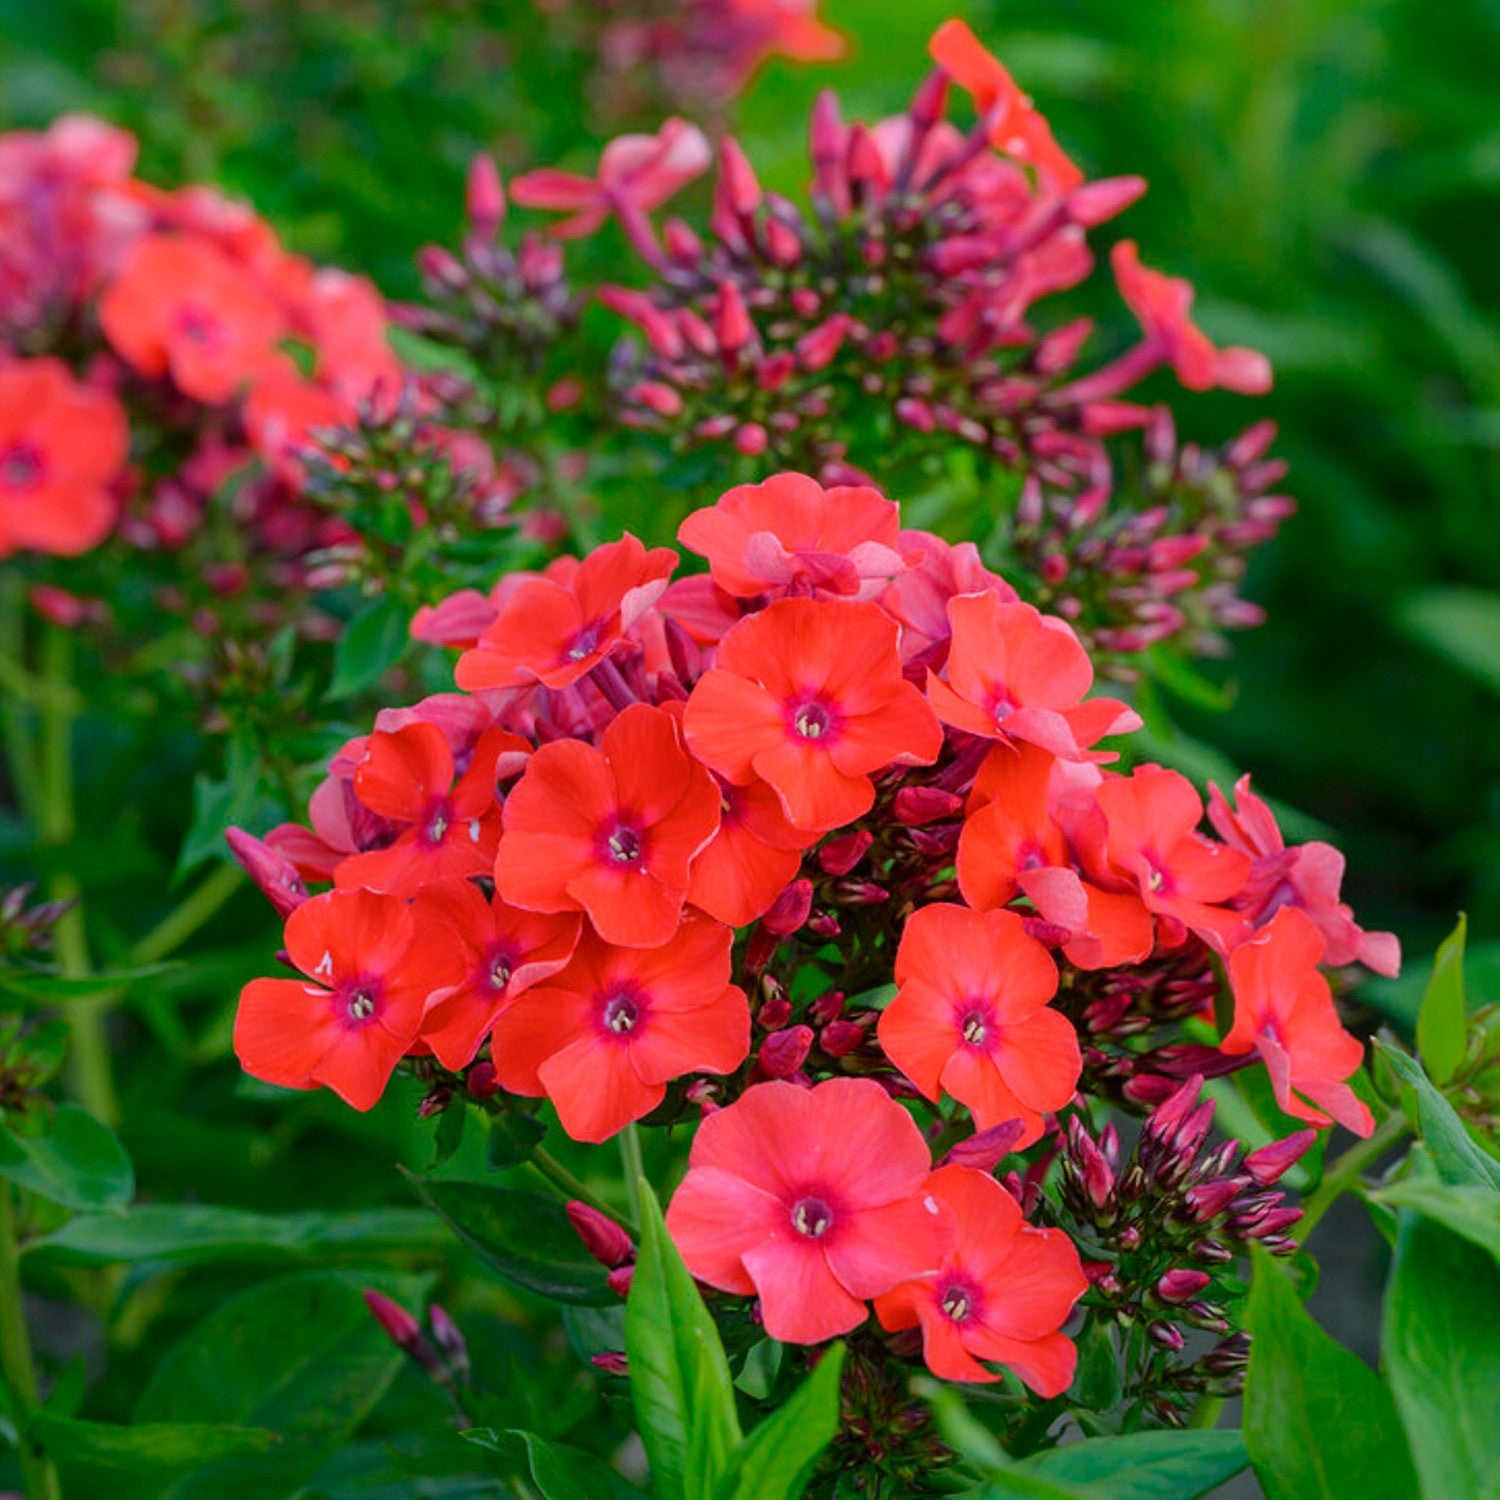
x,y
435,825
959,1299
622,845
358,999
621,1014
199,327
976,1025
20,468
811,1217
585,643
498,967
812,720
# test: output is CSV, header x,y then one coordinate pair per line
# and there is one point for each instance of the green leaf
x,y
1147,1465
679,1377
196,1234
1443,1021
559,1472
34,986
432,358
777,1460
78,1163
175,1446
1457,1159
370,645
513,1137
525,1236
1460,624
299,1355
1472,1212
1319,1424
1442,1349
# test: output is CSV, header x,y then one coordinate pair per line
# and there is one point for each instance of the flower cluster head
x,y
829,845
162,361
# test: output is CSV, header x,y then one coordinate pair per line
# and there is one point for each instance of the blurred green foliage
x,y
1325,170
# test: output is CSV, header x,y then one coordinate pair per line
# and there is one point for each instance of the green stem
x,y
635,1168
38,1476
1205,1415
562,1179
182,922
15,723
1344,1172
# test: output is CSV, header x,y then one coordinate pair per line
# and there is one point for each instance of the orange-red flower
x,y
61,444
1162,305
1014,673
506,952
556,629
811,1199
1002,1295
1153,841
374,970
611,832
791,534
451,829
181,307
808,696
1283,1009
1016,127
603,1038
751,858
971,1017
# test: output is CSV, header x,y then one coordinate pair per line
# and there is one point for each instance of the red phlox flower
x,y
811,1199
448,828
788,28
373,971
1015,125
180,307
611,831
555,632
1014,673
346,319
971,1017
281,412
937,571
752,857
61,446
1307,876
1014,841
1002,1295
637,173
603,1038
459,620
705,611
1152,840
506,951
791,535
1283,1009
1161,305
808,695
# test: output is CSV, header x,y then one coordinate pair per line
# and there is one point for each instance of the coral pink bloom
x,y
1002,1295
374,972
752,858
1307,876
179,306
611,832
789,28
553,632
1153,841
458,620
282,411
451,829
1284,1010
506,951
811,1199
637,173
1016,128
790,534
1161,305
61,444
809,696
604,1038
1014,673
971,1017
936,572
1014,842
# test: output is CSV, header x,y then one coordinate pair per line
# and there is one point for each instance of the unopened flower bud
x,y
1180,1285
1267,1164
619,1280
484,198
483,1082
827,1007
916,805
986,1148
775,1013
403,1330
274,874
451,1341
612,1362
783,1052
840,854
605,1240
1165,1335
840,1038
790,909
1211,1252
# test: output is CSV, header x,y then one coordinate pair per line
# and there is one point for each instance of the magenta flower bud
x,y
915,414
817,348
612,1362
840,1038
442,266
1267,1164
1057,350
1211,1252
840,854
483,1082
1129,1238
737,180
773,372
1182,1285
401,1328
824,924
619,1280
935,841
790,909
605,1240
861,893
783,1052
1165,1335
1167,1116
732,326
760,950
450,1340
827,1007
751,439
774,1014
916,805
1209,1199
985,1149
484,197
681,243
783,244
1269,1222
273,873
930,102
1095,202
659,397
806,302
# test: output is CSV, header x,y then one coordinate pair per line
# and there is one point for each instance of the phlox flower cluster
x,y
159,349
827,848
